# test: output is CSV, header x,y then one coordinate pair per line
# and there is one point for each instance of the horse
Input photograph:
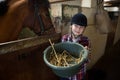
x,y
16,14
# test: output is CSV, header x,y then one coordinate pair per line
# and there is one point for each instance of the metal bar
x,y
12,46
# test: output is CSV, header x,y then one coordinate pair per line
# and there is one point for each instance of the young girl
x,y
78,25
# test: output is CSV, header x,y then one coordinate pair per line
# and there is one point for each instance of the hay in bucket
x,y
72,49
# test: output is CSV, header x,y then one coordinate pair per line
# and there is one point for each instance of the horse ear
x,y
3,7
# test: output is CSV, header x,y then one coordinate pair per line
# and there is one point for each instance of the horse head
x,y
15,14
38,18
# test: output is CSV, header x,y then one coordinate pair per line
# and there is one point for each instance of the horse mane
x,y
3,7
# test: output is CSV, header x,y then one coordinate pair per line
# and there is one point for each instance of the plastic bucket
x,y
74,49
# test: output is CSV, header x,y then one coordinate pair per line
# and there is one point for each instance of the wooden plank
x,y
12,46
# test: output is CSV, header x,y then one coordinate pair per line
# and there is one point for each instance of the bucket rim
x,y
62,67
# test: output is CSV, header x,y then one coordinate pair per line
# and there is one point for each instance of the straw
x,y
54,50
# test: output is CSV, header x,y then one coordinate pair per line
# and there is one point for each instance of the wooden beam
x,y
12,46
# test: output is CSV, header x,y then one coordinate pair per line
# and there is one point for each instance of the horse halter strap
x,y
37,15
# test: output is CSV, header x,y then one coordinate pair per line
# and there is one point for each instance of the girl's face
x,y
77,29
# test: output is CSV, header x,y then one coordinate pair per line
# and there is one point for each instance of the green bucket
x,y
74,49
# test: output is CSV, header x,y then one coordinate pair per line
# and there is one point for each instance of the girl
x,y
78,26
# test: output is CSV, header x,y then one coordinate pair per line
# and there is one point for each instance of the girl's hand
x,y
86,47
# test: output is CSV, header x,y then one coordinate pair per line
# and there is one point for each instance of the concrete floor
x,y
108,67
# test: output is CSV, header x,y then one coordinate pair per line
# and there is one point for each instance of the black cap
x,y
79,19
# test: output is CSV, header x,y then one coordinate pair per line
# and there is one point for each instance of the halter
x,y
37,15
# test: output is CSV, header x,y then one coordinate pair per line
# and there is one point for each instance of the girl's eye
x,y
77,26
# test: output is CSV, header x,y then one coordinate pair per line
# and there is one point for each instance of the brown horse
x,y
16,14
